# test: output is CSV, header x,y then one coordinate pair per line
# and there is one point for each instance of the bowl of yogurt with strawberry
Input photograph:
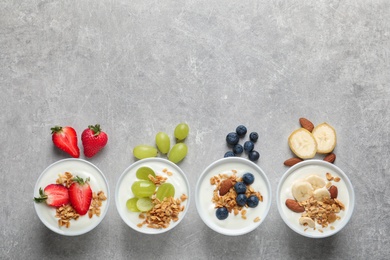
x,y
315,198
71,197
233,196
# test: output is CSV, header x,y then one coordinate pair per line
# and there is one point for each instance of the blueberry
x,y
222,213
248,146
229,154
252,201
241,130
253,137
254,155
232,138
248,178
240,187
241,200
238,149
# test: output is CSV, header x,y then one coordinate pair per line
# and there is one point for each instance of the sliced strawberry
x,y
65,138
80,195
54,195
93,139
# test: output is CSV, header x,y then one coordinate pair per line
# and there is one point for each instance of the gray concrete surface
x,y
139,67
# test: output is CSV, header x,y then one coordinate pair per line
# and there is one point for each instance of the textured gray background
x,y
139,67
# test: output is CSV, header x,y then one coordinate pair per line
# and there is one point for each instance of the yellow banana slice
x,y
316,181
325,136
302,190
321,194
302,143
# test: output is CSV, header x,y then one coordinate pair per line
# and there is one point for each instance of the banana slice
x,y
302,143
306,221
321,194
302,190
325,136
316,181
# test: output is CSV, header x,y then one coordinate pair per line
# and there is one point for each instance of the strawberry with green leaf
x,y
55,195
65,138
93,139
80,195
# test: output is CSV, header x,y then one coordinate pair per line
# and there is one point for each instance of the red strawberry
x,y
80,195
65,138
54,195
93,139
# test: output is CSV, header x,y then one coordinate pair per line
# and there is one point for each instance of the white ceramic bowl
x,y
233,225
318,167
123,192
81,168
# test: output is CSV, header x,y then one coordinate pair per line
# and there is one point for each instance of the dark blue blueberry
x,y
222,213
253,137
241,130
229,154
238,149
240,187
254,155
248,178
232,138
241,200
248,146
252,201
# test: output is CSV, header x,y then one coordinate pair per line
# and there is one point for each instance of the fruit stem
x,y
80,180
96,129
42,196
56,129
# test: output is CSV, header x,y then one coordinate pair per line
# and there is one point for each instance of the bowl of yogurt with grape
x,y
315,198
152,195
233,196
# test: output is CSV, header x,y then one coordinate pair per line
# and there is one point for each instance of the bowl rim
x,y
345,178
142,162
235,232
89,227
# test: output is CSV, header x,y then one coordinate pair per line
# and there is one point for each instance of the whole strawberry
x,y
65,138
93,139
80,195
55,195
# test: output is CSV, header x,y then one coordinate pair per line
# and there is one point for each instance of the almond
x,y
305,123
330,158
225,186
333,192
292,161
294,206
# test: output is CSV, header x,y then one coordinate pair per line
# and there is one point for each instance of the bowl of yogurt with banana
x,y
315,198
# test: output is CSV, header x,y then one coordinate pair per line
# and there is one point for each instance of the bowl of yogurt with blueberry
x,y
233,196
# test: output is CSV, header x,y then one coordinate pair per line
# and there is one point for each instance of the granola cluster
x,y
229,199
163,212
323,212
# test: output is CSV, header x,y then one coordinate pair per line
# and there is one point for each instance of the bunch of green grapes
x,y
163,143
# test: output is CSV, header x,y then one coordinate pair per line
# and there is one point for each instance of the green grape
x,y
143,189
145,204
178,152
181,131
165,190
143,173
144,151
131,204
163,142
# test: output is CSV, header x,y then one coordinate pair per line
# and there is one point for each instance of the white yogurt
x,y
128,177
83,169
320,169
234,224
